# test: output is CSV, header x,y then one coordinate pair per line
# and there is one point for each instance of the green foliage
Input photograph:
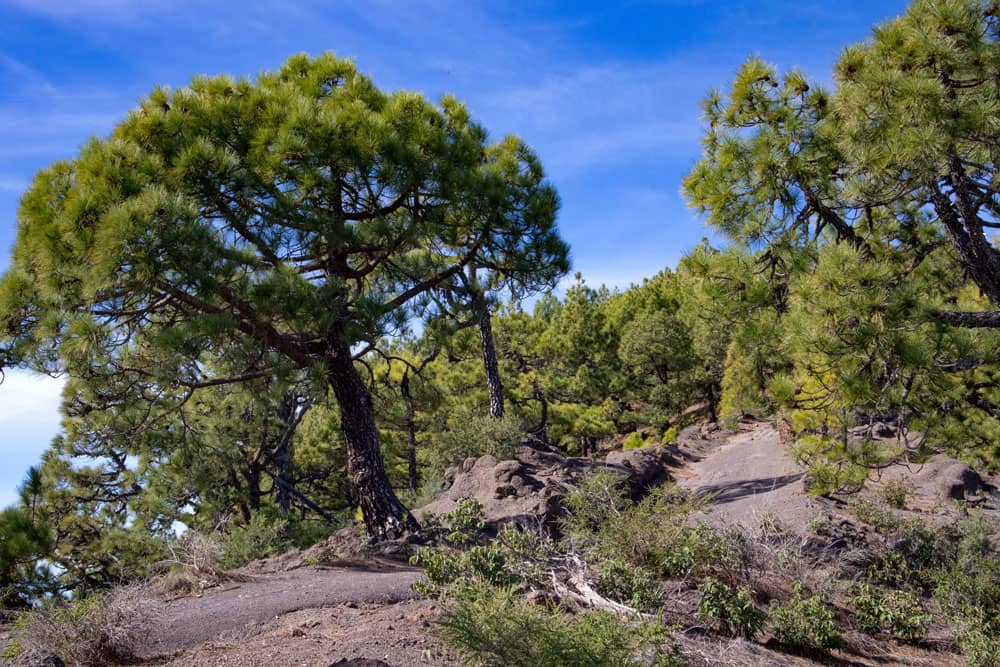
x,y
465,522
494,627
732,609
463,561
634,441
258,539
630,585
895,492
895,612
25,539
969,590
805,621
653,533
469,434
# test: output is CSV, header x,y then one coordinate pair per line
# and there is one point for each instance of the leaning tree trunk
x,y
493,383
384,515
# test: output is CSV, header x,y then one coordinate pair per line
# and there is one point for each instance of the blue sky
x,y
606,92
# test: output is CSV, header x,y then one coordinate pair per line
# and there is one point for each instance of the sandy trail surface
x,y
751,478
234,611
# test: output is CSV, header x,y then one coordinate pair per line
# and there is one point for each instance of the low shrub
x,y
969,591
103,628
261,537
805,621
630,585
494,627
895,493
697,549
653,533
732,610
634,441
894,612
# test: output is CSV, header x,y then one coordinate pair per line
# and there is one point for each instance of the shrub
x,y
876,515
969,591
979,640
695,550
895,612
99,629
474,434
630,585
732,609
465,522
805,621
495,627
598,499
653,533
633,441
669,436
259,538
895,492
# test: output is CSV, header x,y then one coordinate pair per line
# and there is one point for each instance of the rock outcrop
x,y
533,486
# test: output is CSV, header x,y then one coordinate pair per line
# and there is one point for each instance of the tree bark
x,y
493,383
384,515
411,432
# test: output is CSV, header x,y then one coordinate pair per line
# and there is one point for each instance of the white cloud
x,y
27,397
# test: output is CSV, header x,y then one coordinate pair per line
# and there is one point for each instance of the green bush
x,y
495,627
475,434
630,585
697,549
653,533
895,612
598,500
465,522
634,441
969,591
260,538
732,609
669,436
979,639
805,621
895,493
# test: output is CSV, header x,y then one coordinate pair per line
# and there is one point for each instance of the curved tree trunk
x,y
493,383
384,515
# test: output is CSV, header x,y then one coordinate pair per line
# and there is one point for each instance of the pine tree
x,y
295,219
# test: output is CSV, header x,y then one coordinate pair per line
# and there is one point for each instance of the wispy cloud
x,y
109,11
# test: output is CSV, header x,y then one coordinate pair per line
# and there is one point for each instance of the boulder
x,y
532,486
957,480
36,658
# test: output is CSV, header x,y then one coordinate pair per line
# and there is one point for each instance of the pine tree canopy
x,y
284,222
901,157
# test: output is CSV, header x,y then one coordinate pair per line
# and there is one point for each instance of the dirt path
x,y
751,477
236,611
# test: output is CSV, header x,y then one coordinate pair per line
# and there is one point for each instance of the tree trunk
x,y
384,515
411,453
411,432
713,414
493,383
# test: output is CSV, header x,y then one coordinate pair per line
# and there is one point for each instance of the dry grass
x,y
102,629
192,567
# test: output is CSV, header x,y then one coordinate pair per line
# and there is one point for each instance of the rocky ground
x,y
331,605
